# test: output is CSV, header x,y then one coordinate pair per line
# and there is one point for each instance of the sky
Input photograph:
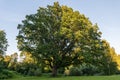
x,y
105,13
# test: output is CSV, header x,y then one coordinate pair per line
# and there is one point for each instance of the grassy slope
x,y
69,78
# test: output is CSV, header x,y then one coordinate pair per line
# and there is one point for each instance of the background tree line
x,y
58,39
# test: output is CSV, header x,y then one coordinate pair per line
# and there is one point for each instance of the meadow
x,y
114,77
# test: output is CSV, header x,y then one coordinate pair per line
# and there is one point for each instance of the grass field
x,y
115,77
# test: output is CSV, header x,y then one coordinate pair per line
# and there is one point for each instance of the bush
x,y
38,72
110,68
89,69
31,72
5,74
61,70
29,69
1,65
75,71
83,70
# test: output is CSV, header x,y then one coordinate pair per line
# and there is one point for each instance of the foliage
x,y
30,69
89,69
84,70
108,62
5,74
7,60
26,57
58,36
1,63
75,71
3,42
3,47
38,72
10,61
61,70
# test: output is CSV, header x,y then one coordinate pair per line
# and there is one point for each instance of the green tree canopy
x,y
59,35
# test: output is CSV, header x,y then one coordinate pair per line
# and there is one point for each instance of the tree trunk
x,y
54,71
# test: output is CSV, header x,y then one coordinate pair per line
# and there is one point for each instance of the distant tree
x,y
1,63
108,61
113,54
3,42
118,61
60,36
14,57
3,47
7,60
13,61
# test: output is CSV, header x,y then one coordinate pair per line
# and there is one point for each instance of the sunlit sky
x,y
106,13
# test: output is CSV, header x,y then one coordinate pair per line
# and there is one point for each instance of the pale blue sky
x,y
105,13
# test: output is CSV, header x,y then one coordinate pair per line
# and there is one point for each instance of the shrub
x,y
61,70
110,68
5,74
83,70
88,69
29,69
75,71
38,72
31,72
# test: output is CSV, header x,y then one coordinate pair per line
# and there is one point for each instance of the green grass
x,y
115,77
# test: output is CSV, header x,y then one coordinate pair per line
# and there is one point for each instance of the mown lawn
x,y
115,77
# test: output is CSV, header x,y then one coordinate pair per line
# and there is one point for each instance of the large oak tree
x,y
59,36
